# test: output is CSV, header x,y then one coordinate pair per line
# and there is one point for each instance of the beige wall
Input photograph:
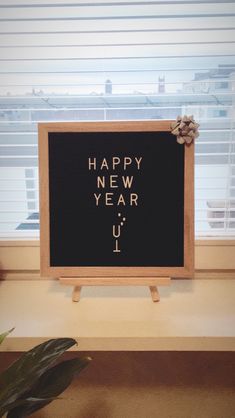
x,y
149,385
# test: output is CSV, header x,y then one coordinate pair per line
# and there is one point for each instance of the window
x,y
113,60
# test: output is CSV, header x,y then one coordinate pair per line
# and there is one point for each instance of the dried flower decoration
x,y
185,128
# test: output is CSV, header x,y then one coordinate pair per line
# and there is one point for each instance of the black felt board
x,y
81,233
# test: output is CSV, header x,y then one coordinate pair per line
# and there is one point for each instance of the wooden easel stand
x,y
152,283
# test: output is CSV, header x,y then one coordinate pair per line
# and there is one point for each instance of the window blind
x,y
117,60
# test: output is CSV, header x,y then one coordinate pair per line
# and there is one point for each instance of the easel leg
x,y
154,293
78,282
76,293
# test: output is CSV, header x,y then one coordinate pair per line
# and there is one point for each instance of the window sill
x,y
193,315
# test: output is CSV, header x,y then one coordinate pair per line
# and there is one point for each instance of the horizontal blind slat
x,y
119,25
112,52
98,65
54,70
118,11
155,36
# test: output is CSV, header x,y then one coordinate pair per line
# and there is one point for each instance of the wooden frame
x,y
106,272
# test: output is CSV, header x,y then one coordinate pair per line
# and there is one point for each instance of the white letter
x,y
108,199
121,200
133,199
113,181
127,161
90,163
97,198
118,233
127,181
138,162
116,161
100,182
104,164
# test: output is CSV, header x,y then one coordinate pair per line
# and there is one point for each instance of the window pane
x,y
123,60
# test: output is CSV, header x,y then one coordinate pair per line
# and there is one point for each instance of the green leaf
x,y
51,384
26,400
24,403
20,377
55,380
5,334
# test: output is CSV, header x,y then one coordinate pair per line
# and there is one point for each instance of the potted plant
x,y
36,378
